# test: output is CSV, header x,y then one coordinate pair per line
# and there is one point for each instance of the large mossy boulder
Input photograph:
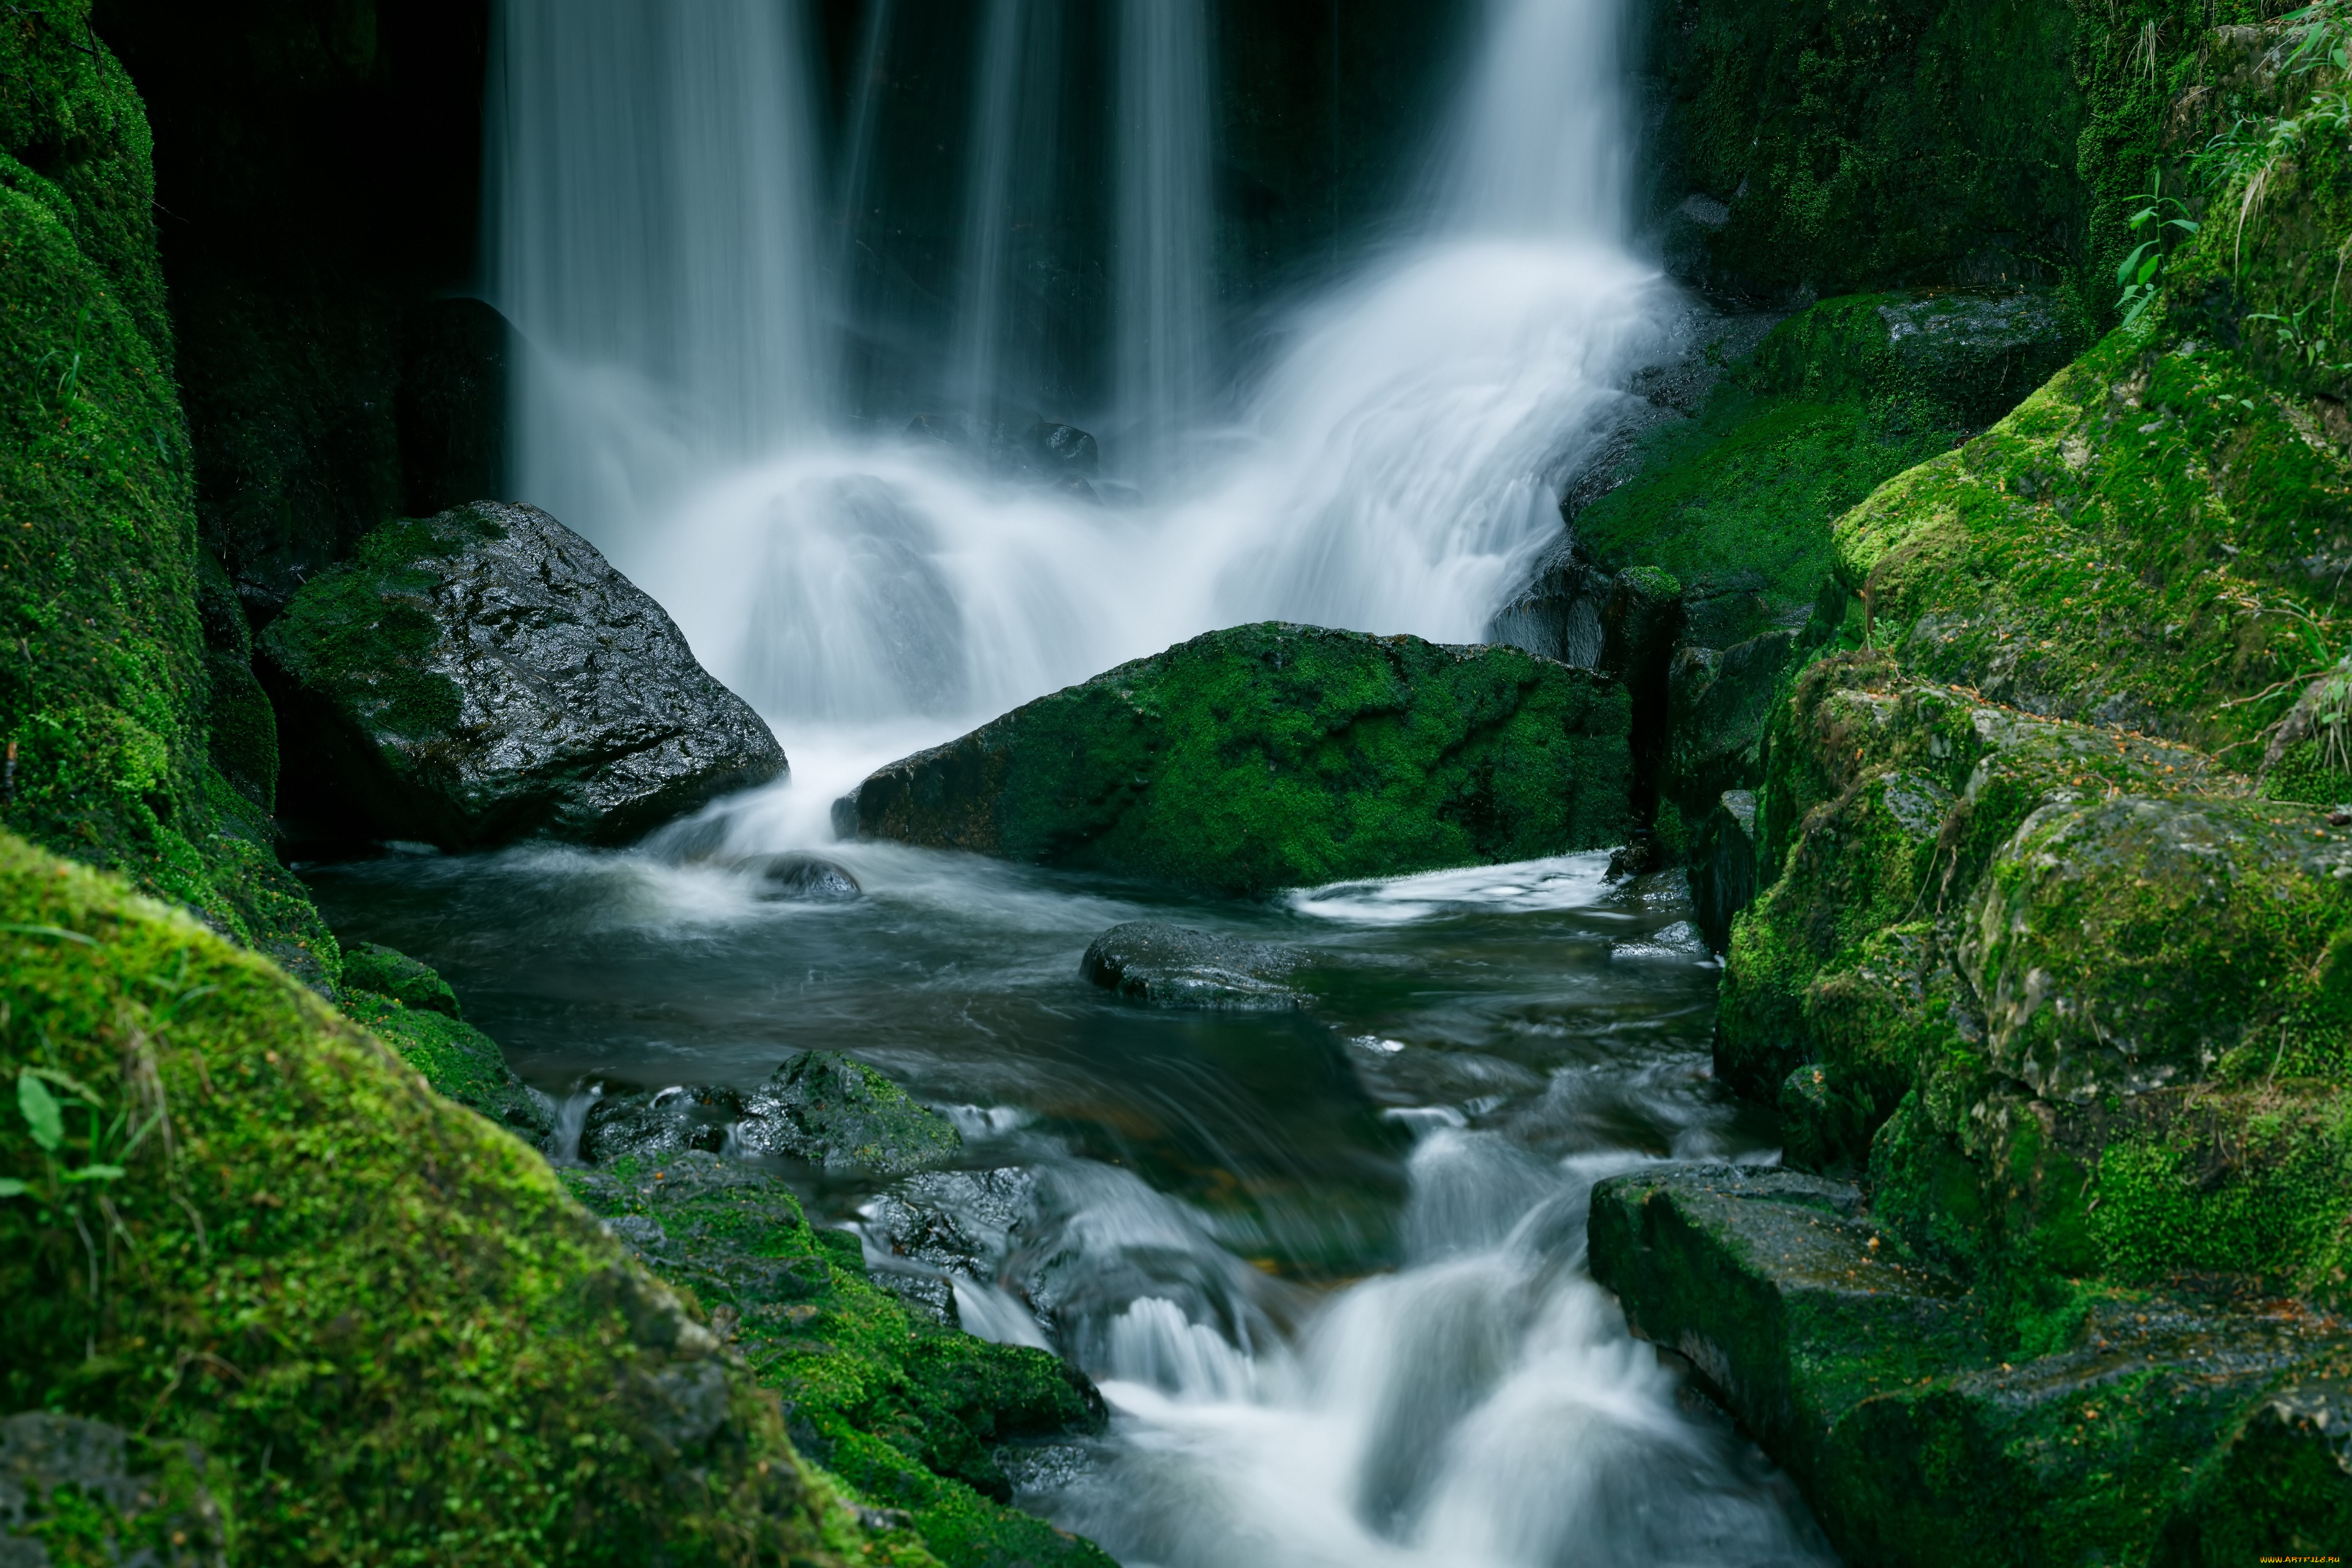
x,y
485,674
386,1323
2168,1431
1277,755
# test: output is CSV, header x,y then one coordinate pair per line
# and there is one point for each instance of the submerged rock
x,y
805,879
829,1110
484,676
1920,1440
1277,755
1177,966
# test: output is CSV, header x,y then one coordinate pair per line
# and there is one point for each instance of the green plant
x,y
2141,275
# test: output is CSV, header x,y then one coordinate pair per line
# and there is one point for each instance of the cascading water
x,y
1395,469
1164,323
650,177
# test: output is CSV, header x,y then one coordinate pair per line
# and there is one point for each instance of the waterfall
x,y
651,187
1395,467
1165,348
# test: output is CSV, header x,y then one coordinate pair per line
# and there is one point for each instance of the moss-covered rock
x,y
388,971
84,1493
1887,799
386,1323
1277,755
458,1059
2164,1432
909,1412
485,674
823,1108
107,687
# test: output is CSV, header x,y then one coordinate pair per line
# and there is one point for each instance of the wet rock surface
x,y
82,1492
1177,966
1722,872
942,1225
1864,1371
805,879
651,1123
484,676
1277,755
829,1110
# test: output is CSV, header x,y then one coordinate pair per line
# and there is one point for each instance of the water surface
x,y
1327,1264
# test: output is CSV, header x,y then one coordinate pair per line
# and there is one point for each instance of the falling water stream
x,y
1327,1266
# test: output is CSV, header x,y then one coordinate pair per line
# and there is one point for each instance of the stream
x,y
1326,1265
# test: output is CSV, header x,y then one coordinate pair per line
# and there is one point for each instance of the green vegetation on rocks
x,y
1277,755
392,1333
2164,1432
915,1417
108,696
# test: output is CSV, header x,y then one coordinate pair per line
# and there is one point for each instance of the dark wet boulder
x,y
829,1110
1277,755
1718,705
458,1060
651,1124
1722,872
1924,1441
388,971
77,1491
805,879
1177,966
484,676
935,1226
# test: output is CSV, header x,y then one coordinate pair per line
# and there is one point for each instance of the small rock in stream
x,y
1177,966
805,879
829,1110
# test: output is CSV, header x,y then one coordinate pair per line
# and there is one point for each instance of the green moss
x,y
2255,1185
1932,1427
1277,755
905,1411
2136,544
1835,401
458,1060
388,971
106,684
384,1318
357,636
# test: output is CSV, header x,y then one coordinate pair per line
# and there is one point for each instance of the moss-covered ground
x,y
235,1218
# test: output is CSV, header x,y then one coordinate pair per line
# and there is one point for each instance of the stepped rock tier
x,y
1277,755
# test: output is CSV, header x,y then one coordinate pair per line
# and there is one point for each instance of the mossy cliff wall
x,y
1825,146
108,691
